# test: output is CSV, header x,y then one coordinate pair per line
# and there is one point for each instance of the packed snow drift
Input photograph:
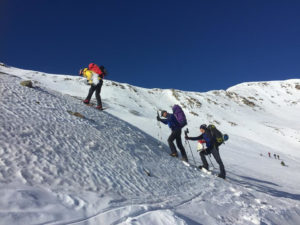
x,y
62,162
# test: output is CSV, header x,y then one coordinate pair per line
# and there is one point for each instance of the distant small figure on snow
x,y
278,157
275,156
282,163
269,154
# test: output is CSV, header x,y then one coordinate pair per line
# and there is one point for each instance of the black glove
x,y
186,137
158,119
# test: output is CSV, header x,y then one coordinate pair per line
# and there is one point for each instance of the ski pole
x,y
157,122
159,129
210,159
186,141
192,153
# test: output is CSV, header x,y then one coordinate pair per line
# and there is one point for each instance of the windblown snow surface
x,y
113,167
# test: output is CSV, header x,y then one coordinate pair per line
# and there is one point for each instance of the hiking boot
x,y
86,102
174,154
202,167
99,107
184,159
221,176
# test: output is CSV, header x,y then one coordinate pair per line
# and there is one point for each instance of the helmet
x,y
201,145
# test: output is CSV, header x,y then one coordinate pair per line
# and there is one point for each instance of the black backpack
x,y
217,136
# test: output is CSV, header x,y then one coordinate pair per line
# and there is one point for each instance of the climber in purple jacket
x,y
171,121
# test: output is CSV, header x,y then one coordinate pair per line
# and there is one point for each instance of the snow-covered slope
x,y
57,168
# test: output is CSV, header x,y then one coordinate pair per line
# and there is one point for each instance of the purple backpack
x,y
179,115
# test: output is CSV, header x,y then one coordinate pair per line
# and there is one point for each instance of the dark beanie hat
x,y
203,126
162,112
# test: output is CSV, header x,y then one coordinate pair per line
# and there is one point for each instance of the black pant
x,y
215,152
176,134
96,88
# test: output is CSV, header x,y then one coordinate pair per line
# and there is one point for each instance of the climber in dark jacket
x,y
211,149
171,121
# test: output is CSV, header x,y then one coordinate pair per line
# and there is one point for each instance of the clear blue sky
x,y
189,45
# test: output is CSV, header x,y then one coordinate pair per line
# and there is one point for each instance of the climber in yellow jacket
x,y
94,76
